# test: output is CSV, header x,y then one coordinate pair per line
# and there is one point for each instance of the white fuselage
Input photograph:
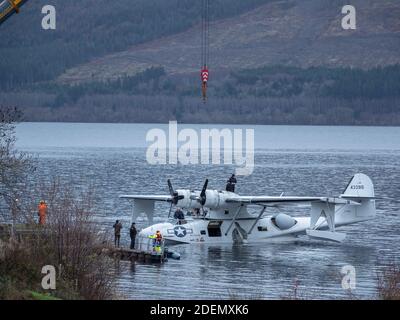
x,y
249,229
223,216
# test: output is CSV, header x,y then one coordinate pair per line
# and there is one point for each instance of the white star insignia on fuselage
x,y
180,232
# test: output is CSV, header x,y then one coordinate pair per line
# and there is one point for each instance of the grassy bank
x,y
70,242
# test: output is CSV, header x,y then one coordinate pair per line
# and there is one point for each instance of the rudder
x,y
360,186
361,189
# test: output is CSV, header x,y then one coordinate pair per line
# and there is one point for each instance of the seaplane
x,y
219,216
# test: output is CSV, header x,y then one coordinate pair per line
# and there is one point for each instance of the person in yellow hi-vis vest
x,y
157,239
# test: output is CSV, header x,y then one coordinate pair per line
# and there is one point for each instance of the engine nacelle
x,y
189,200
214,199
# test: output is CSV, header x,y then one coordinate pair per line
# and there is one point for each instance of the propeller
x,y
175,197
203,197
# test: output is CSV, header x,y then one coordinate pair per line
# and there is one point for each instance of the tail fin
x,y
360,186
360,189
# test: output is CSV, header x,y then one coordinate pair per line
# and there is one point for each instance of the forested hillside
x,y
269,95
92,28
271,62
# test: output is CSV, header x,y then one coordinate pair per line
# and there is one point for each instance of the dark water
x,y
294,160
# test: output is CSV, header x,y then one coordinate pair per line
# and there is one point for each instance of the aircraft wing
x,y
146,197
275,201
271,200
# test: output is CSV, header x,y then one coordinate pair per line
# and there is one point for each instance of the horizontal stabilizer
x,y
326,235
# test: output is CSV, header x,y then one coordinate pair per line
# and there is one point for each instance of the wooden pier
x,y
144,252
135,255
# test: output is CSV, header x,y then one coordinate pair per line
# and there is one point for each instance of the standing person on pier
x,y
117,232
133,233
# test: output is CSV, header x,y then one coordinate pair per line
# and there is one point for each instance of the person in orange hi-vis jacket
x,y
42,212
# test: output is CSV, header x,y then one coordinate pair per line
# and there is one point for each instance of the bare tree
x,y
15,166
71,240
77,241
389,282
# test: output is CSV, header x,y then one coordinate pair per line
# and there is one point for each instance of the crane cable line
x,y
205,33
205,45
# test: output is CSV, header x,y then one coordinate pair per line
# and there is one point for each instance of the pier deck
x,y
136,255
